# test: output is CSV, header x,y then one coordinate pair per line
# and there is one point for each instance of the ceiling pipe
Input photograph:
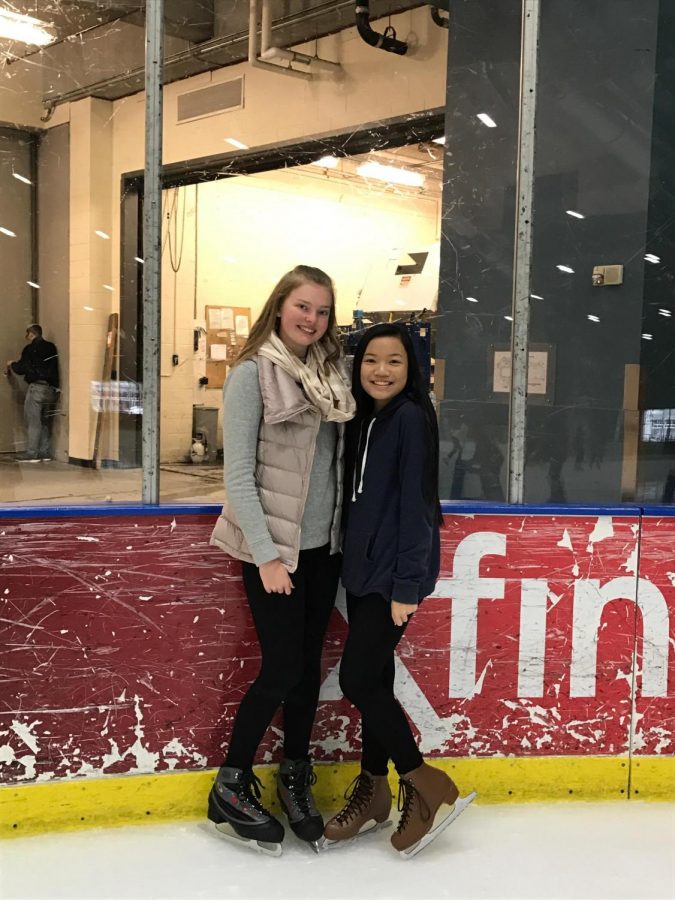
x,y
253,58
269,53
265,27
441,21
386,41
292,56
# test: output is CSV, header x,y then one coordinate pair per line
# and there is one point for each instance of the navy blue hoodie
x,y
391,538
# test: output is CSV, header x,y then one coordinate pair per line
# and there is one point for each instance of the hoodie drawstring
x,y
363,462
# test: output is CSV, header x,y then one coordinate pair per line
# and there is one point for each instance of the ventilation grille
x,y
211,100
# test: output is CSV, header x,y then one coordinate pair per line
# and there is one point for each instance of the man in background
x,y
39,366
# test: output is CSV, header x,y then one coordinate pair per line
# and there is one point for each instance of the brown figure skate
x,y
367,809
422,793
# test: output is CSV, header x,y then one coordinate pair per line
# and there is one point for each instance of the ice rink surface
x,y
611,850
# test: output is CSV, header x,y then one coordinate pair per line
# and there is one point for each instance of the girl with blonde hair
x,y
285,405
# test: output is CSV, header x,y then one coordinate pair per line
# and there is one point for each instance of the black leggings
x,y
367,679
290,630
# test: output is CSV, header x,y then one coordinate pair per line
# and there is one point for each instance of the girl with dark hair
x,y
284,408
391,562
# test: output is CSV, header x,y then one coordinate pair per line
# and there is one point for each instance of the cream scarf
x,y
322,382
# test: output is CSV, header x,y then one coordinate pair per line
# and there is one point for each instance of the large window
x,y
263,168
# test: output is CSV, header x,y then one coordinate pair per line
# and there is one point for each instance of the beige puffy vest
x,y
284,457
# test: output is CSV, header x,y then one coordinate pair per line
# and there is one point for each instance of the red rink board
x,y
127,644
655,717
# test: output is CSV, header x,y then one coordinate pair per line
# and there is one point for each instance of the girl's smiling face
x,y
384,369
304,316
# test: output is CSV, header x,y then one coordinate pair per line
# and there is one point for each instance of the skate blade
x,y
366,830
458,808
226,831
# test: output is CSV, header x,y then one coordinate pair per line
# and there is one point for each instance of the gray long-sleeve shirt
x,y
242,412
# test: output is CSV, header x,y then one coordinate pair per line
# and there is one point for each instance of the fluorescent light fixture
x,y
390,174
509,318
16,27
88,308
21,178
7,232
33,284
326,162
652,258
647,337
472,300
108,287
235,143
575,214
439,140
139,260
536,297
593,318
567,269
486,120
102,234
666,313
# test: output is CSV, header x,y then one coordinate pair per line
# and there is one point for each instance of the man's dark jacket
x,y
39,362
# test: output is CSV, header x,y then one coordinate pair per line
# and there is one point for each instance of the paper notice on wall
x,y
501,374
218,351
537,372
221,317
241,326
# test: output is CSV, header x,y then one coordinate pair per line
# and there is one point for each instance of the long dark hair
x,y
415,390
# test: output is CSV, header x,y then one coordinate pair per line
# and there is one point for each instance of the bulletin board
x,y
227,328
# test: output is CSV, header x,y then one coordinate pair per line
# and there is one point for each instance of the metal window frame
x,y
522,261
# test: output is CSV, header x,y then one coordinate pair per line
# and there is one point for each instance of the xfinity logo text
x,y
467,589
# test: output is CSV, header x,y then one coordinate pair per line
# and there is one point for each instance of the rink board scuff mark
x,y
174,796
127,646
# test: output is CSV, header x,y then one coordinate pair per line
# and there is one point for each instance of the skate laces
x,y
250,792
406,798
298,783
358,796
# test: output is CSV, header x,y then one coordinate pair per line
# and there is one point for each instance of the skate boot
x,y
420,796
294,789
368,806
236,811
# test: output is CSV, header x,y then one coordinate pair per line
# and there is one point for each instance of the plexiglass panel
x,y
592,205
62,397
